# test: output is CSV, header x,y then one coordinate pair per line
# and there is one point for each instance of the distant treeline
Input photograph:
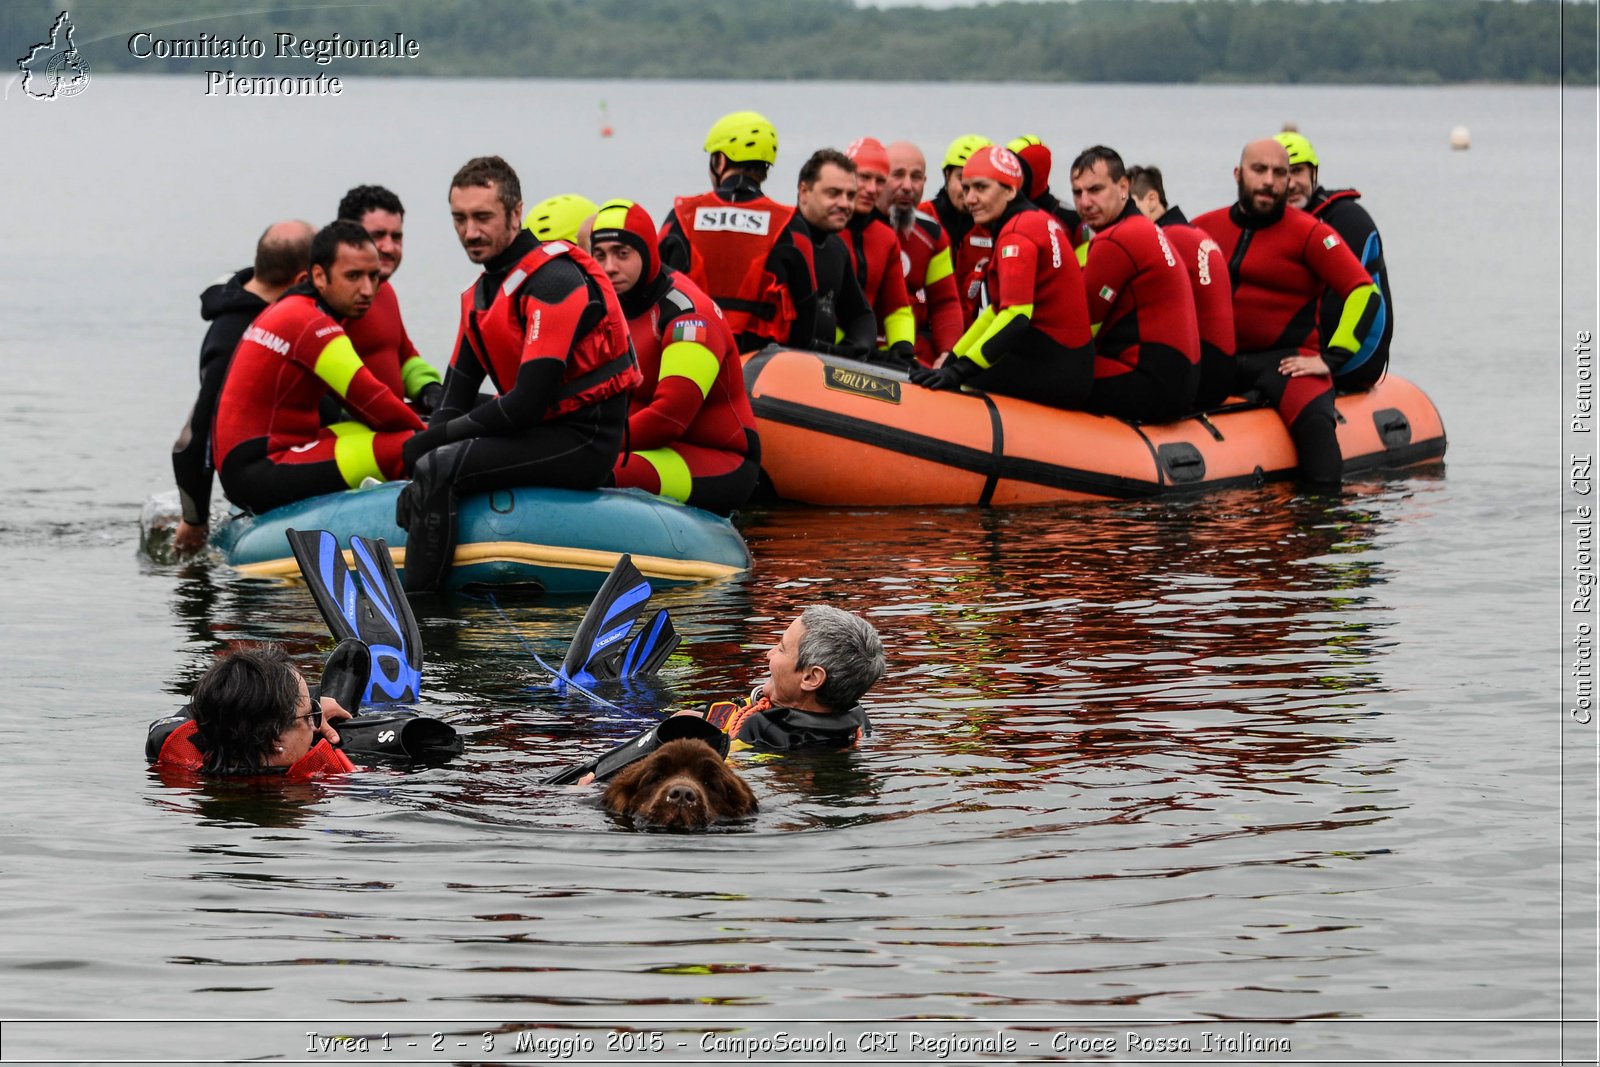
x,y
1279,41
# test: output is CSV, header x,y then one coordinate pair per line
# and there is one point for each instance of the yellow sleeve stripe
x,y
672,470
1355,309
1002,319
900,325
691,360
1083,254
337,364
415,373
938,267
979,327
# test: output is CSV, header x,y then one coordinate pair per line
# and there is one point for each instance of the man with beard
x,y
1147,343
543,324
1338,208
826,192
1033,340
1281,261
926,250
229,305
691,434
380,335
1208,281
271,445
747,252
875,254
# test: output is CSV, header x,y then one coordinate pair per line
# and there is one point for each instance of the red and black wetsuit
x,y
930,274
269,437
691,433
229,307
1213,304
1147,361
970,246
751,255
542,323
1279,265
875,259
1351,221
1033,340
380,337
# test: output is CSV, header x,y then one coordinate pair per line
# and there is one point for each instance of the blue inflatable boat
x,y
555,541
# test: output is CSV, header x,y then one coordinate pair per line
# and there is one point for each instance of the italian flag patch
x,y
1107,293
1330,241
1009,251
689,330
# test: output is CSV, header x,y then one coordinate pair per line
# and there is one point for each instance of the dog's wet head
x,y
683,785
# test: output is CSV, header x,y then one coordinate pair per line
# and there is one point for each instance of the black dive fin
x,y
596,650
346,674
399,735
371,606
673,728
650,647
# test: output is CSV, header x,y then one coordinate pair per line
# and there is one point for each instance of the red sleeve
x,y
1332,261
944,313
677,399
1107,273
891,295
1015,265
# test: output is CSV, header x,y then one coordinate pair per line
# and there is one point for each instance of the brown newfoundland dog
x,y
683,785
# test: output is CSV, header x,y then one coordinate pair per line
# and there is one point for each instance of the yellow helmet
x,y
744,137
1300,150
558,218
962,147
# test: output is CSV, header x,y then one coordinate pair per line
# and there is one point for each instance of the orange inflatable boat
x,y
834,431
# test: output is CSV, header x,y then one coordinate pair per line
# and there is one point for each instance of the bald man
x,y
925,251
1282,261
229,304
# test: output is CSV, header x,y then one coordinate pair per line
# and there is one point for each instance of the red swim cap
x,y
1035,158
630,224
869,154
995,163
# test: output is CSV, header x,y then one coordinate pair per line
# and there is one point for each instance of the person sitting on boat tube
x,y
691,433
825,196
747,252
1033,340
251,713
970,244
380,335
543,324
875,255
1147,337
1208,282
1282,260
1338,208
230,306
269,437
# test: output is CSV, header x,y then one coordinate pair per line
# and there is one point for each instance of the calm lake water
x,y
1255,764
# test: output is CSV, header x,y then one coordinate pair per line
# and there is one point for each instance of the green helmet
x,y
558,218
744,137
1300,150
962,147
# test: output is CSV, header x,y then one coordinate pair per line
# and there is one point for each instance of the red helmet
x,y
630,224
1035,158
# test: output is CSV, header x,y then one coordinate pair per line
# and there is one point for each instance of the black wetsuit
x,y
1338,208
841,305
230,308
757,724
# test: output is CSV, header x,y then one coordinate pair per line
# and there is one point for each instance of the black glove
x,y
428,398
949,376
902,355
421,444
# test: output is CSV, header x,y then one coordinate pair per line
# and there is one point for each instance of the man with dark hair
x,y
817,673
380,335
826,195
875,254
747,252
542,323
271,445
1208,282
1338,208
1147,342
970,243
230,305
1281,261
930,270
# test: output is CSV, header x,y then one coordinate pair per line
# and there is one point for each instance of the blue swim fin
x,y
597,652
371,605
